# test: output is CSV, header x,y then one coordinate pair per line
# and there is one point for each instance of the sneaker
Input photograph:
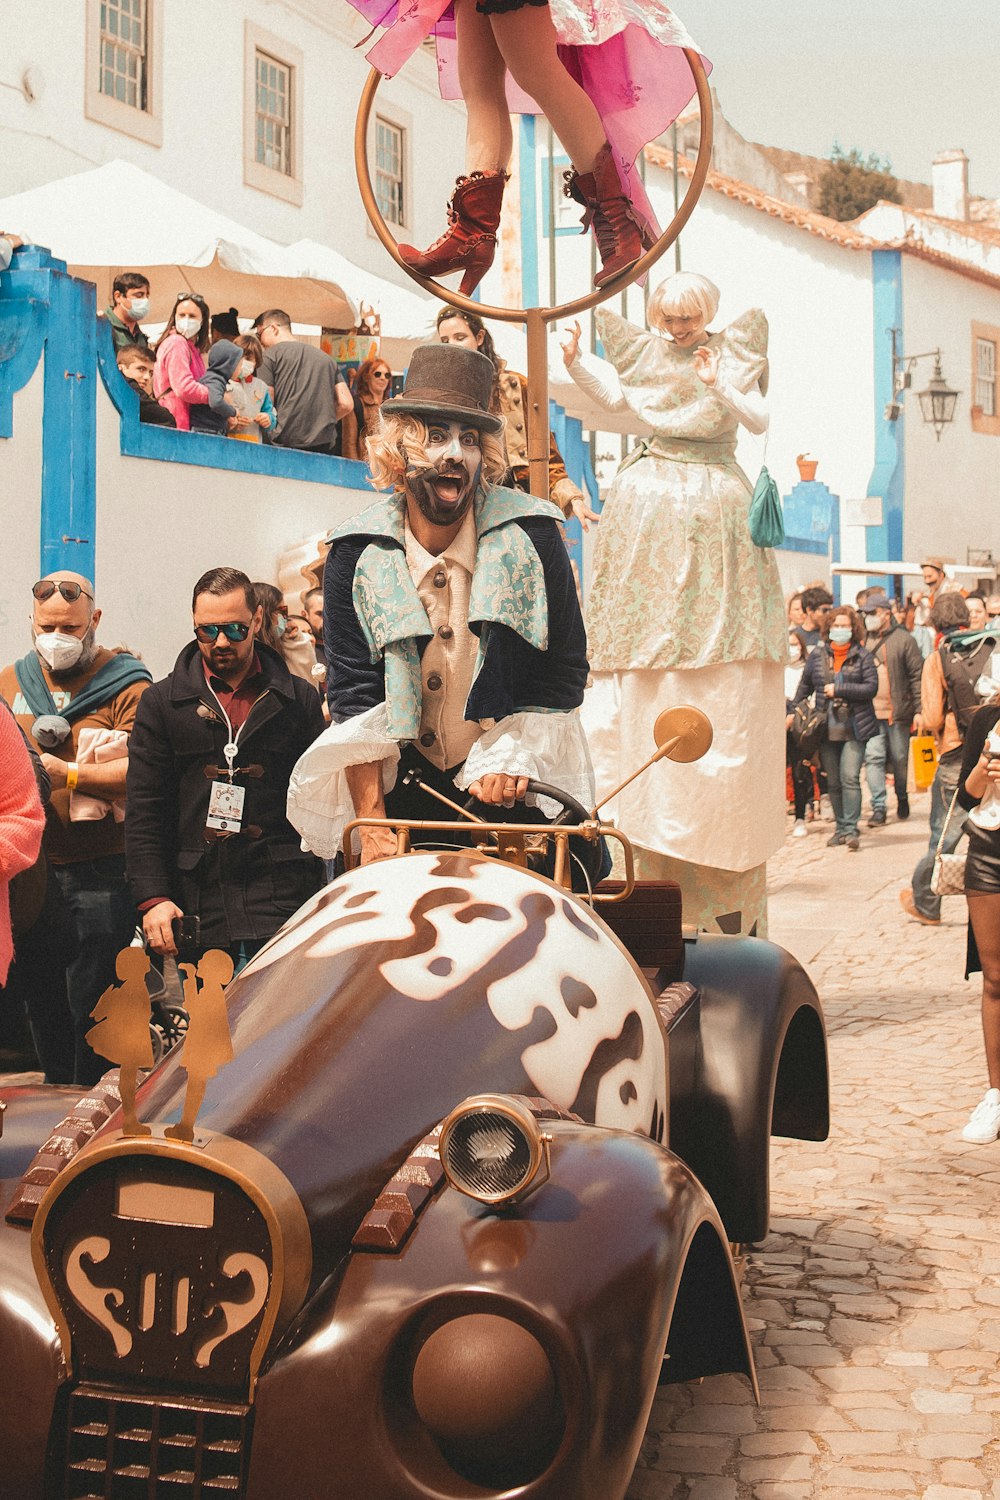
x,y
835,839
984,1122
800,830
903,809
908,904
853,843
877,819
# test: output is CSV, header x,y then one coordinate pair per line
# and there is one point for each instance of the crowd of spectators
x,y
122,772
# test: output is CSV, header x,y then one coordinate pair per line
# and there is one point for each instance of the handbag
x,y
808,727
767,520
948,875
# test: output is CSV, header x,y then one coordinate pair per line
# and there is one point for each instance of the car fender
x,y
747,1062
601,1266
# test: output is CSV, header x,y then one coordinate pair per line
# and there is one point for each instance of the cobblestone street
x,y
874,1303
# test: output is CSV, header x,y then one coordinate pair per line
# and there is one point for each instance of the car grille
x,y
151,1447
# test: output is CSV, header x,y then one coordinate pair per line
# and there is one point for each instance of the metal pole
x,y
677,197
538,402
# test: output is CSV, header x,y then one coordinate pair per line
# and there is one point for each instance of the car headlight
x,y
493,1149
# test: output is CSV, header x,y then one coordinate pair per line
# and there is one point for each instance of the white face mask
x,y
246,369
187,327
59,652
139,308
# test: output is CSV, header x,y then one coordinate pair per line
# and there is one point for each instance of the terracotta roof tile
x,y
848,234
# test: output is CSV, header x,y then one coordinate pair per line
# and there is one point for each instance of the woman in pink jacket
x,y
179,363
21,823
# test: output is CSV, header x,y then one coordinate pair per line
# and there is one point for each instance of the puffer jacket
x,y
856,683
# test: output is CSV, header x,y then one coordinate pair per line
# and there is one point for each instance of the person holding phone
x,y
212,859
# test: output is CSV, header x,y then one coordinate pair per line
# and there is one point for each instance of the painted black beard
x,y
420,484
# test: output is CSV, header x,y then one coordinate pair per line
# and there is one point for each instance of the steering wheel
x,y
590,853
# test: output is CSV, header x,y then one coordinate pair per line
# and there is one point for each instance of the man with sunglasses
x,y
77,703
207,838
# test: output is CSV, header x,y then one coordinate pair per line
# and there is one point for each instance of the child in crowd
x,y
217,416
137,365
250,396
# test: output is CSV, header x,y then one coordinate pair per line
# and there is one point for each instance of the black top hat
x,y
450,383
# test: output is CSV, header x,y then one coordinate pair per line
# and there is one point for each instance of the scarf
x,y
52,727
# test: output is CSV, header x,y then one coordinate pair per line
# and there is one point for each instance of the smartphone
x,y
187,933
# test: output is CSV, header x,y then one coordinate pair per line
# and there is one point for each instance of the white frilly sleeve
x,y
544,747
599,380
749,406
319,800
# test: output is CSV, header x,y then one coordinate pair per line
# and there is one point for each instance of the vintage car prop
x,y
464,1194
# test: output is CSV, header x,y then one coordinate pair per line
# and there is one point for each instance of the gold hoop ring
x,y
580,304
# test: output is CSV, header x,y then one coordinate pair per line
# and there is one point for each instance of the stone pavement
x,y
874,1304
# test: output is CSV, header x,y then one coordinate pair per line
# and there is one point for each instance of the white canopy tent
x,y
119,218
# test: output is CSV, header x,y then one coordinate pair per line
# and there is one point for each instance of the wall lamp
x,y
937,402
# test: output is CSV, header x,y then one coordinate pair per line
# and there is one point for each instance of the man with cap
x,y
454,640
77,702
897,703
936,580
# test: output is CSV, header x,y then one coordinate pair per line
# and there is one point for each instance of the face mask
x,y
246,369
187,327
280,625
139,308
873,623
795,653
841,634
59,652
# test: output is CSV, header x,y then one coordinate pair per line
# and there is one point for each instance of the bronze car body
x,y
474,1351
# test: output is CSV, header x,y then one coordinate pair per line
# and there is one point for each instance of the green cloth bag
x,y
767,521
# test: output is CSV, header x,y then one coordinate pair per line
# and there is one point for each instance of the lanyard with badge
x,y
226,799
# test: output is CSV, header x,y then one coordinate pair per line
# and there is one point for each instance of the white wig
x,y
684,295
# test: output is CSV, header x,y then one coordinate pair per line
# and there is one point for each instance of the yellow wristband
x,y
72,776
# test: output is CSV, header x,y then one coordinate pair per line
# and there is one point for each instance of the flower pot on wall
x,y
806,466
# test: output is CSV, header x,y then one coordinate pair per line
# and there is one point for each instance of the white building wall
x,y
952,486
203,112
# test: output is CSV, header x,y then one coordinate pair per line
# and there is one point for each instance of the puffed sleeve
x,y
633,351
743,363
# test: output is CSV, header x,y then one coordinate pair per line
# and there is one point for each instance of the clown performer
x,y
683,607
454,639
609,78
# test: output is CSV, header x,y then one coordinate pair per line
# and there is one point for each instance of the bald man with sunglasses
x,y
76,701
209,846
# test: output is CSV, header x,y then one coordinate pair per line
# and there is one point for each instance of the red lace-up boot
x,y
470,241
620,237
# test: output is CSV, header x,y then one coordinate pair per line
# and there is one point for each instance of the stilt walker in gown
x,y
683,607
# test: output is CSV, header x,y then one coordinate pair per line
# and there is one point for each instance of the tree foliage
x,y
853,183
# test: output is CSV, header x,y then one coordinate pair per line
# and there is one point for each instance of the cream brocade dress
x,y
683,608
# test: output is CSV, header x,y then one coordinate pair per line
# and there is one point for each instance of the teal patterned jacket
x,y
523,607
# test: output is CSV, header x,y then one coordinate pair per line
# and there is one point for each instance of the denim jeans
x,y
842,762
891,746
942,790
101,909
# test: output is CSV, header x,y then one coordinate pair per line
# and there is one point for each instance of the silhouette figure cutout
x,y
208,1045
122,1030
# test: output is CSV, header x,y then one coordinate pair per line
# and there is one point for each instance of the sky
x,y
902,78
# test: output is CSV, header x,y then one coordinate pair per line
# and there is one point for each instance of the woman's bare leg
x,y
984,914
527,42
482,75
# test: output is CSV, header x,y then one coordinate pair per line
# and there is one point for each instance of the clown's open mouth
x,y
449,488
